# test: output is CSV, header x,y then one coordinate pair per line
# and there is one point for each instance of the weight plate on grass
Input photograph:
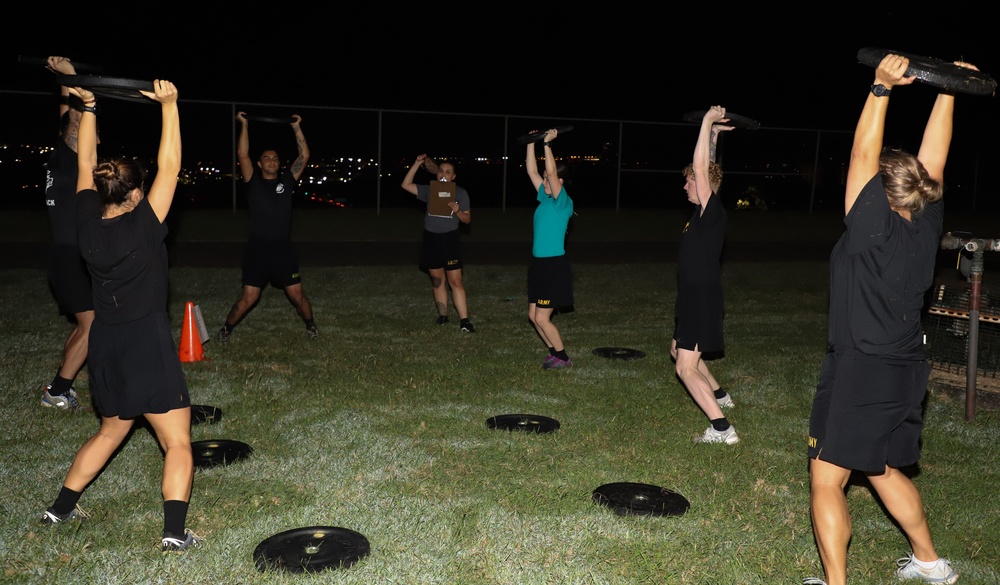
x,y
311,549
640,499
218,452
619,353
201,413
735,120
531,423
536,136
113,87
942,74
270,119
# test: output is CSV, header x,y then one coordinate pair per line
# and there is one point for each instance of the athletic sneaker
x,y
67,401
557,363
176,544
223,335
726,401
941,572
711,435
313,332
442,319
813,581
51,517
467,327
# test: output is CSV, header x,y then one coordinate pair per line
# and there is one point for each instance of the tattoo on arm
x,y
297,166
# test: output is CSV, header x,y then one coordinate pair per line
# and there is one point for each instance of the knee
x,y
248,300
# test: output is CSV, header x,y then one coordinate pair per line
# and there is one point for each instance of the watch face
x,y
880,90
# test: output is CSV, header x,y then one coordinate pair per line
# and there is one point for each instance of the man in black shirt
x,y
67,272
269,256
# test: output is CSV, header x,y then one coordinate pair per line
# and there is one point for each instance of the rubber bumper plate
x,y
311,549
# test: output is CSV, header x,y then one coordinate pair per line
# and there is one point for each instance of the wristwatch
x,y
879,90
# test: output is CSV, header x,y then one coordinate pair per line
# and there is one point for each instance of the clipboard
x,y
441,194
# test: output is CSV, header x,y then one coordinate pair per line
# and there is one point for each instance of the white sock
x,y
925,564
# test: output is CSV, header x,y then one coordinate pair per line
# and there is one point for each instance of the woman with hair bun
x,y
133,364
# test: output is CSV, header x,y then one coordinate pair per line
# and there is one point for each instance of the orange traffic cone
x,y
190,338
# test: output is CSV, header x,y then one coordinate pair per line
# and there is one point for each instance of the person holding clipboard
x,y
441,247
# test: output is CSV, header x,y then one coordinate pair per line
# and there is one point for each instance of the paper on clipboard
x,y
441,194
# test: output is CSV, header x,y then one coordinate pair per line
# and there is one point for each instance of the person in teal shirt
x,y
550,276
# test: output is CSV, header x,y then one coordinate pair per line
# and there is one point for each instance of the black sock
x,y
720,424
561,354
310,323
229,328
66,501
60,385
174,516
719,393
552,351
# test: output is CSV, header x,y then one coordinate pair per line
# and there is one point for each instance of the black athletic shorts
x,y
441,250
270,261
550,282
70,281
867,411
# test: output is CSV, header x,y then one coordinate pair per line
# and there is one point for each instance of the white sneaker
x,y
726,401
941,572
813,581
67,401
711,435
177,545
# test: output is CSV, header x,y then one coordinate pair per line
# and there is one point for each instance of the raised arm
x,y
936,142
299,164
870,131
64,66
717,129
86,146
168,157
531,164
704,152
243,148
551,170
408,183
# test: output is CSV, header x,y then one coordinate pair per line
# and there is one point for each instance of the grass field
x,y
378,426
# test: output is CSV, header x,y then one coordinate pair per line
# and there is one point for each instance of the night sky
x,y
614,62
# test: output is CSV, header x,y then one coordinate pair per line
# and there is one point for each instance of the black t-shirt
x,y
880,270
127,259
699,249
60,194
270,203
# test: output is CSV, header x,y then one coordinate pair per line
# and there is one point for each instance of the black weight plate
x,y
218,452
735,120
201,413
619,353
311,549
536,136
640,499
531,423
113,87
270,119
942,74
